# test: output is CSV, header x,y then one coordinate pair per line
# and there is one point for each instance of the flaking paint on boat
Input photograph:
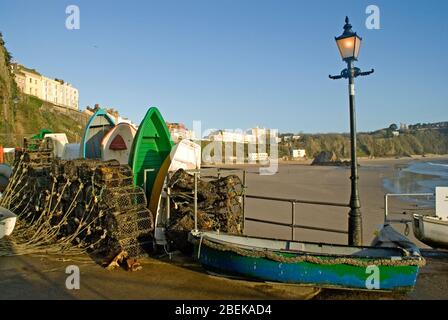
x,y
337,275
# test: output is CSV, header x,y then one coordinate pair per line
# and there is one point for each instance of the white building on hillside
x,y
298,153
251,136
178,132
55,91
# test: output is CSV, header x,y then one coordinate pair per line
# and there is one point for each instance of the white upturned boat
x,y
433,230
7,222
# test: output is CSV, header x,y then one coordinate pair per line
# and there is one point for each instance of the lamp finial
x,y
347,27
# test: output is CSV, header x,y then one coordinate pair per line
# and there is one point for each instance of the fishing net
x,y
75,206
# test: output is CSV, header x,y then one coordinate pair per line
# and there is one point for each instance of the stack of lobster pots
x,y
92,202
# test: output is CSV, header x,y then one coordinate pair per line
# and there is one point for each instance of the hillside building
x,y
178,132
298,153
251,136
55,91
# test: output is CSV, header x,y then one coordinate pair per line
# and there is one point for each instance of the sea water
x,y
418,177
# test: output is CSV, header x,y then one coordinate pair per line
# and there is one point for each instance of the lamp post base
x,y
355,227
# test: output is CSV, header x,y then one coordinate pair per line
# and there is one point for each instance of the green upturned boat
x,y
152,144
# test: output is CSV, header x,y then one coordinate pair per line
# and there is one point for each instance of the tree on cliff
x,y
393,127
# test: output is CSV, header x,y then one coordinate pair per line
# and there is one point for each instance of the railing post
x,y
196,201
386,210
168,193
293,219
244,198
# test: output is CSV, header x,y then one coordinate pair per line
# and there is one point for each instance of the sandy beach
x,y
29,277
301,181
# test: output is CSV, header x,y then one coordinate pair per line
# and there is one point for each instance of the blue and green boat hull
x,y
391,278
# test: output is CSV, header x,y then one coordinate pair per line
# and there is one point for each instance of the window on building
x,y
31,80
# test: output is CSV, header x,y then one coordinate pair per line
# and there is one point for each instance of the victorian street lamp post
x,y
349,44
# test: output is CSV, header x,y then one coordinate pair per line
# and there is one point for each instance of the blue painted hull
x,y
346,276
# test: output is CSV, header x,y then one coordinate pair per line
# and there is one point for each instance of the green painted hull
x,y
340,276
152,144
335,266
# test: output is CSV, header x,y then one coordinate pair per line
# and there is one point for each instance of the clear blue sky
x,y
240,63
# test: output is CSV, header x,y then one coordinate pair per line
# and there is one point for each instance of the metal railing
x,y
293,224
293,203
390,195
197,173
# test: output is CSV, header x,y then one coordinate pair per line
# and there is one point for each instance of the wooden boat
x,y
185,155
71,151
433,230
397,260
59,141
7,222
117,143
97,127
152,145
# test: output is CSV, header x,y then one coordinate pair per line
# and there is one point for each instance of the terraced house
x,y
55,91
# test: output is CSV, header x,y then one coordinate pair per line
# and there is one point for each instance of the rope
x,y
267,254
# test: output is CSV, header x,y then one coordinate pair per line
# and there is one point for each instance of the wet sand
x,y
329,184
30,277
34,277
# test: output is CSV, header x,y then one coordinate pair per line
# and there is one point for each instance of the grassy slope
x,y
430,141
30,114
7,90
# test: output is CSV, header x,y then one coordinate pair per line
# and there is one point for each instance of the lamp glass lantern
x,y
349,43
